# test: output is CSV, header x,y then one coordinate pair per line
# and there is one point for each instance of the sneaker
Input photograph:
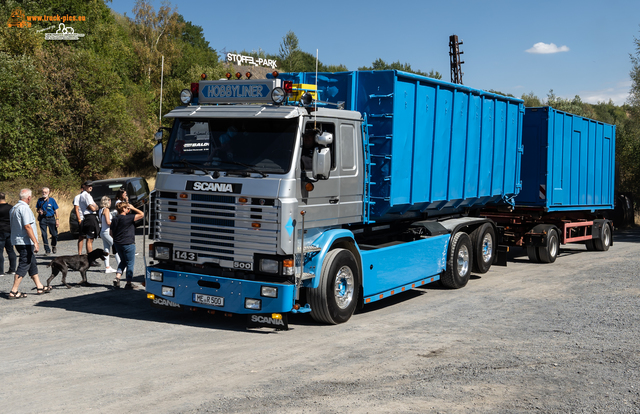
x,y
110,270
47,254
10,273
55,250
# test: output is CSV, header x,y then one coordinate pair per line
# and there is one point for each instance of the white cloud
x,y
544,48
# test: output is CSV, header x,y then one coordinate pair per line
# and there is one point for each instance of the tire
x,y
336,297
459,262
532,252
549,253
483,240
591,246
602,244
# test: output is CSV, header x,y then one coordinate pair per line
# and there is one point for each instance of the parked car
x,y
137,191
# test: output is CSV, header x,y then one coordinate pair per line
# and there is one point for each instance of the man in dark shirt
x,y
48,218
5,237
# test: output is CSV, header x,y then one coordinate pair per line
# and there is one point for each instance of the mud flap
x,y
500,258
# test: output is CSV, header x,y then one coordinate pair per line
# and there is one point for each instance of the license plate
x,y
208,299
182,255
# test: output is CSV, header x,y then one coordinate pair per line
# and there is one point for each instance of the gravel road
x,y
563,337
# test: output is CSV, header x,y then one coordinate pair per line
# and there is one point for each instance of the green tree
x,y
380,64
531,100
290,54
628,136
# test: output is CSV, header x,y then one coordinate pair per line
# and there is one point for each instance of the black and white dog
x,y
80,263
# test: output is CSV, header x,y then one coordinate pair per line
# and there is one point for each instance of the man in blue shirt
x,y
25,240
48,218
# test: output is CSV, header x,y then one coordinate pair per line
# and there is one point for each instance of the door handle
x,y
334,200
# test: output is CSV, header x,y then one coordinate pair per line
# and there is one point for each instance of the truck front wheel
x,y
336,297
459,262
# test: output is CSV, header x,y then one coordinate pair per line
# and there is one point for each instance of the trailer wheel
x,y
483,240
459,262
336,297
532,252
591,246
549,253
602,244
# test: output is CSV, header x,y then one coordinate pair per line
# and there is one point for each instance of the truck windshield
x,y
264,145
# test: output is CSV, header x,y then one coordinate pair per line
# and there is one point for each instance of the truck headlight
x,y
167,291
269,291
162,252
254,304
156,276
269,266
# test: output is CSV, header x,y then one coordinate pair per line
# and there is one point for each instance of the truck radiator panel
x,y
217,228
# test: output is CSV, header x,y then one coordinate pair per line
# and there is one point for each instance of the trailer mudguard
x,y
325,241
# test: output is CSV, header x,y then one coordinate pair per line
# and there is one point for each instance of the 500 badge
x,y
243,265
182,255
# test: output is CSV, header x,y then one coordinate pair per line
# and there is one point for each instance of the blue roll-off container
x,y
568,162
434,147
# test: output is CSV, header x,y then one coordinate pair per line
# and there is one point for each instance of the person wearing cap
x,y
5,237
48,217
89,226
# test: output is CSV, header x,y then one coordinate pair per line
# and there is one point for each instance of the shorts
x,y
90,227
27,262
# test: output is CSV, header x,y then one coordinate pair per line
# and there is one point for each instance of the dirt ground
x,y
563,337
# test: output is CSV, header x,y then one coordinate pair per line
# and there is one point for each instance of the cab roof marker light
x,y
228,75
275,73
248,75
238,75
195,88
203,76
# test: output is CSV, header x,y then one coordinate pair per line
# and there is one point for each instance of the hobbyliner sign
x,y
237,91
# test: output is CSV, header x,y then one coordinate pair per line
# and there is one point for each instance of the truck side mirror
x,y
158,136
321,163
157,155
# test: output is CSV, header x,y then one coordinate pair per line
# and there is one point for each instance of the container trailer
x,y
568,170
325,192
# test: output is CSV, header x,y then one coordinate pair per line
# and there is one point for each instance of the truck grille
x,y
217,227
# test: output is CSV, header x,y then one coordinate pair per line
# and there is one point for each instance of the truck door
x,y
337,200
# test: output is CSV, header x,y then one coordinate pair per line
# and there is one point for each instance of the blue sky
x,y
592,38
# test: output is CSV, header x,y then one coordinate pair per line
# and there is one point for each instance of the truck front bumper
x,y
219,293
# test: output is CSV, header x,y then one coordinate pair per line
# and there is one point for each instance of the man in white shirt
x,y
89,226
79,217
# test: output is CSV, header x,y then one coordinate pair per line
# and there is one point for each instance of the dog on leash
x,y
78,262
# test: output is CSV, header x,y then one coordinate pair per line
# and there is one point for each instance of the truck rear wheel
x,y
459,262
336,297
549,253
602,244
483,240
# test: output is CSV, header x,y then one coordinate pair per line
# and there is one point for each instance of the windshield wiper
x,y
247,166
193,166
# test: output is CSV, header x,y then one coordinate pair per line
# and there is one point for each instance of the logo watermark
x,y
63,33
